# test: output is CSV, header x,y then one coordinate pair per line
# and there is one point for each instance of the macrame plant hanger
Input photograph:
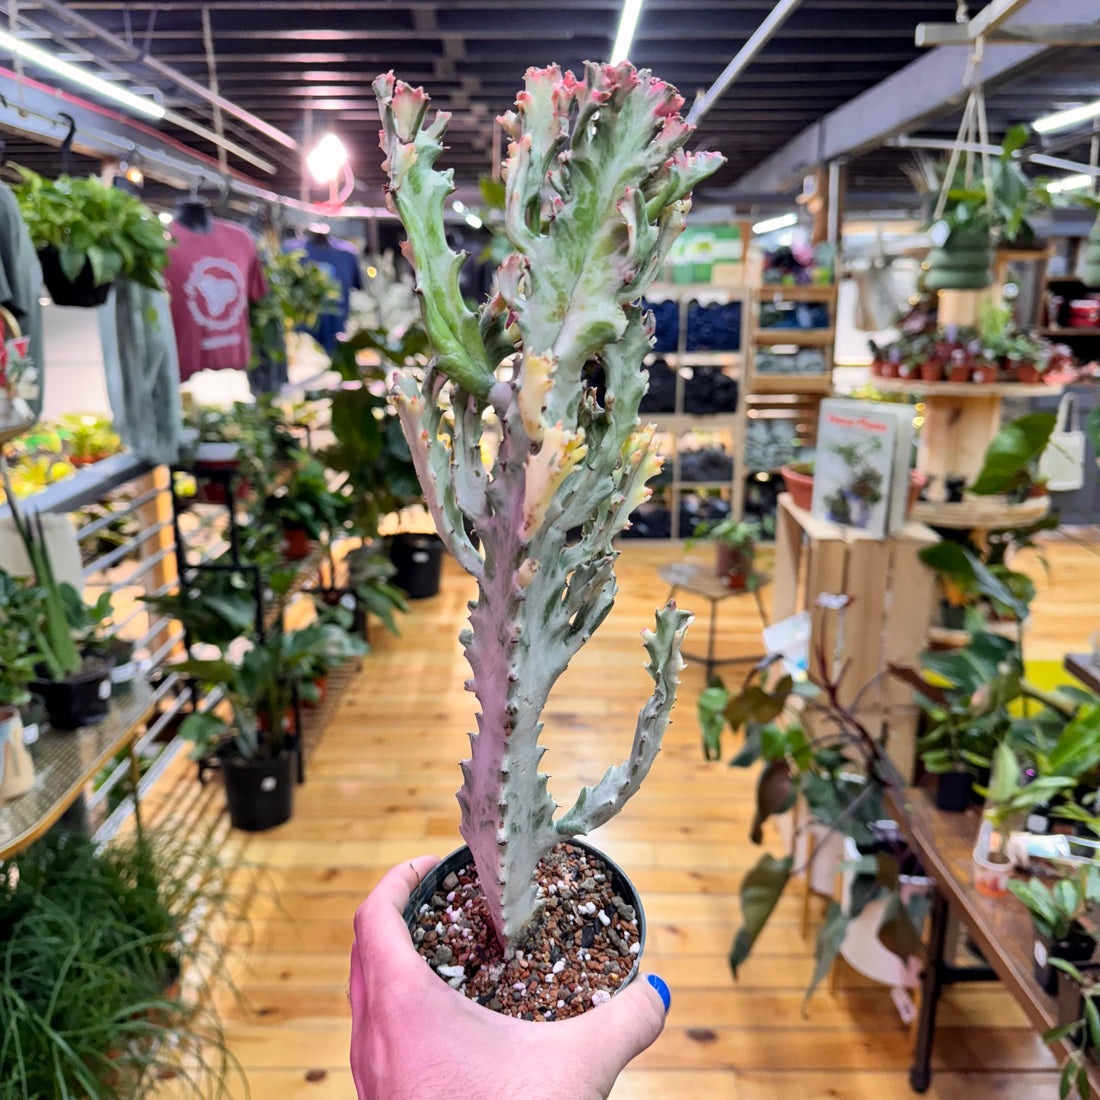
x,y
973,132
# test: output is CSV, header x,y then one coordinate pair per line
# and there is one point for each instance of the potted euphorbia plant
x,y
597,188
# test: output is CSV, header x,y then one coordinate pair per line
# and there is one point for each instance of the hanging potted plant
x,y
87,235
962,254
597,189
735,549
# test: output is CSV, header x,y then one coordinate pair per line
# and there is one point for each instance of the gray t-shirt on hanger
x,y
21,281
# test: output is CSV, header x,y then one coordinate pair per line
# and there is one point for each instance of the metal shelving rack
x,y
680,425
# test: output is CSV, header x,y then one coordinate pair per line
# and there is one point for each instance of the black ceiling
x,y
302,65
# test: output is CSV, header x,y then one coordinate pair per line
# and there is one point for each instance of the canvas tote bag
x,y
1063,461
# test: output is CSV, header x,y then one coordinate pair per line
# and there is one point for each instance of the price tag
x,y
268,784
30,733
105,689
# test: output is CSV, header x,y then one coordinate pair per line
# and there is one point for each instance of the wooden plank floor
x,y
381,788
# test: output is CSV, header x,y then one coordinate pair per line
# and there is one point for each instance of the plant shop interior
x,y
383,381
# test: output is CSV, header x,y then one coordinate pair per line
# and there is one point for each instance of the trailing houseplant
x,y
597,189
88,234
834,765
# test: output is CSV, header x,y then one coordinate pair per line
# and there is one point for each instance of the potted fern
x,y
87,235
597,188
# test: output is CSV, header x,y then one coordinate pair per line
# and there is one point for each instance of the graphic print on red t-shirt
x,y
211,279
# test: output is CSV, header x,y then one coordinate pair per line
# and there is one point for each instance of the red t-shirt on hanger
x,y
211,278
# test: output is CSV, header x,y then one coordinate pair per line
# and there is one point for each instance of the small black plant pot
x,y
1070,1004
78,700
81,292
432,882
953,791
952,618
419,562
259,793
1076,948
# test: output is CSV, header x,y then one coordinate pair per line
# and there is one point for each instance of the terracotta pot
x,y
800,486
931,371
295,543
1028,374
876,368
88,460
734,565
959,372
983,375
907,371
889,370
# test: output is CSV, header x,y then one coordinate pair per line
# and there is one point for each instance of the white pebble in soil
x,y
455,971
601,997
605,920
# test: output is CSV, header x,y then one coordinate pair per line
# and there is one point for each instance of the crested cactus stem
x,y
597,188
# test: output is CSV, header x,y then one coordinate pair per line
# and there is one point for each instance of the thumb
x,y
630,1022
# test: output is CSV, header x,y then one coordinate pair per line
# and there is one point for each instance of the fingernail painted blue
x,y
659,985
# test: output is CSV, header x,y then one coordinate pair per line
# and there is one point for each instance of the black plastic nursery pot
x,y
259,793
419,562
77,700
1076,948
81,292
1070,1001
456,862
953,791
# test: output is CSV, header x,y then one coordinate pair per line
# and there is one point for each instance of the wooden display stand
x,y
891,598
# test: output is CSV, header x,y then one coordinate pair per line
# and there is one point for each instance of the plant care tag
x,y
105,689
347,601
30,733
1040,952
420,556
268,784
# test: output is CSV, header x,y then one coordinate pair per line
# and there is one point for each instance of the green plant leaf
x,y
1011,450
761,889
830,937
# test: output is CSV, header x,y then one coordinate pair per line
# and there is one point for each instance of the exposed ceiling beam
x,y
73,19
923,89
1049,34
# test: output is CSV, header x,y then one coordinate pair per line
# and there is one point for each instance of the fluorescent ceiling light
x,y
1060,120
1071,183
628,23
782,221
80,76
327,159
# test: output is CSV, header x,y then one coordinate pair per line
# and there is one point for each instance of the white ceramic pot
x,y
16,766
862,949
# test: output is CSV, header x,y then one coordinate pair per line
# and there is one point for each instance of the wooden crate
x,y
891,597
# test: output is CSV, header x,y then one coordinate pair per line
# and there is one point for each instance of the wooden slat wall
x,y
381,788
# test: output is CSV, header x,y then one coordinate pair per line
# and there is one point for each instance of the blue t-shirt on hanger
x,y
341,260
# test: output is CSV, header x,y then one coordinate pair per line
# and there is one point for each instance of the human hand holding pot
x,y
413,1037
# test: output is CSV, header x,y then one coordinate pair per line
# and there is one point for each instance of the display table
x,y
891,594
701,580
65,763
1000,927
